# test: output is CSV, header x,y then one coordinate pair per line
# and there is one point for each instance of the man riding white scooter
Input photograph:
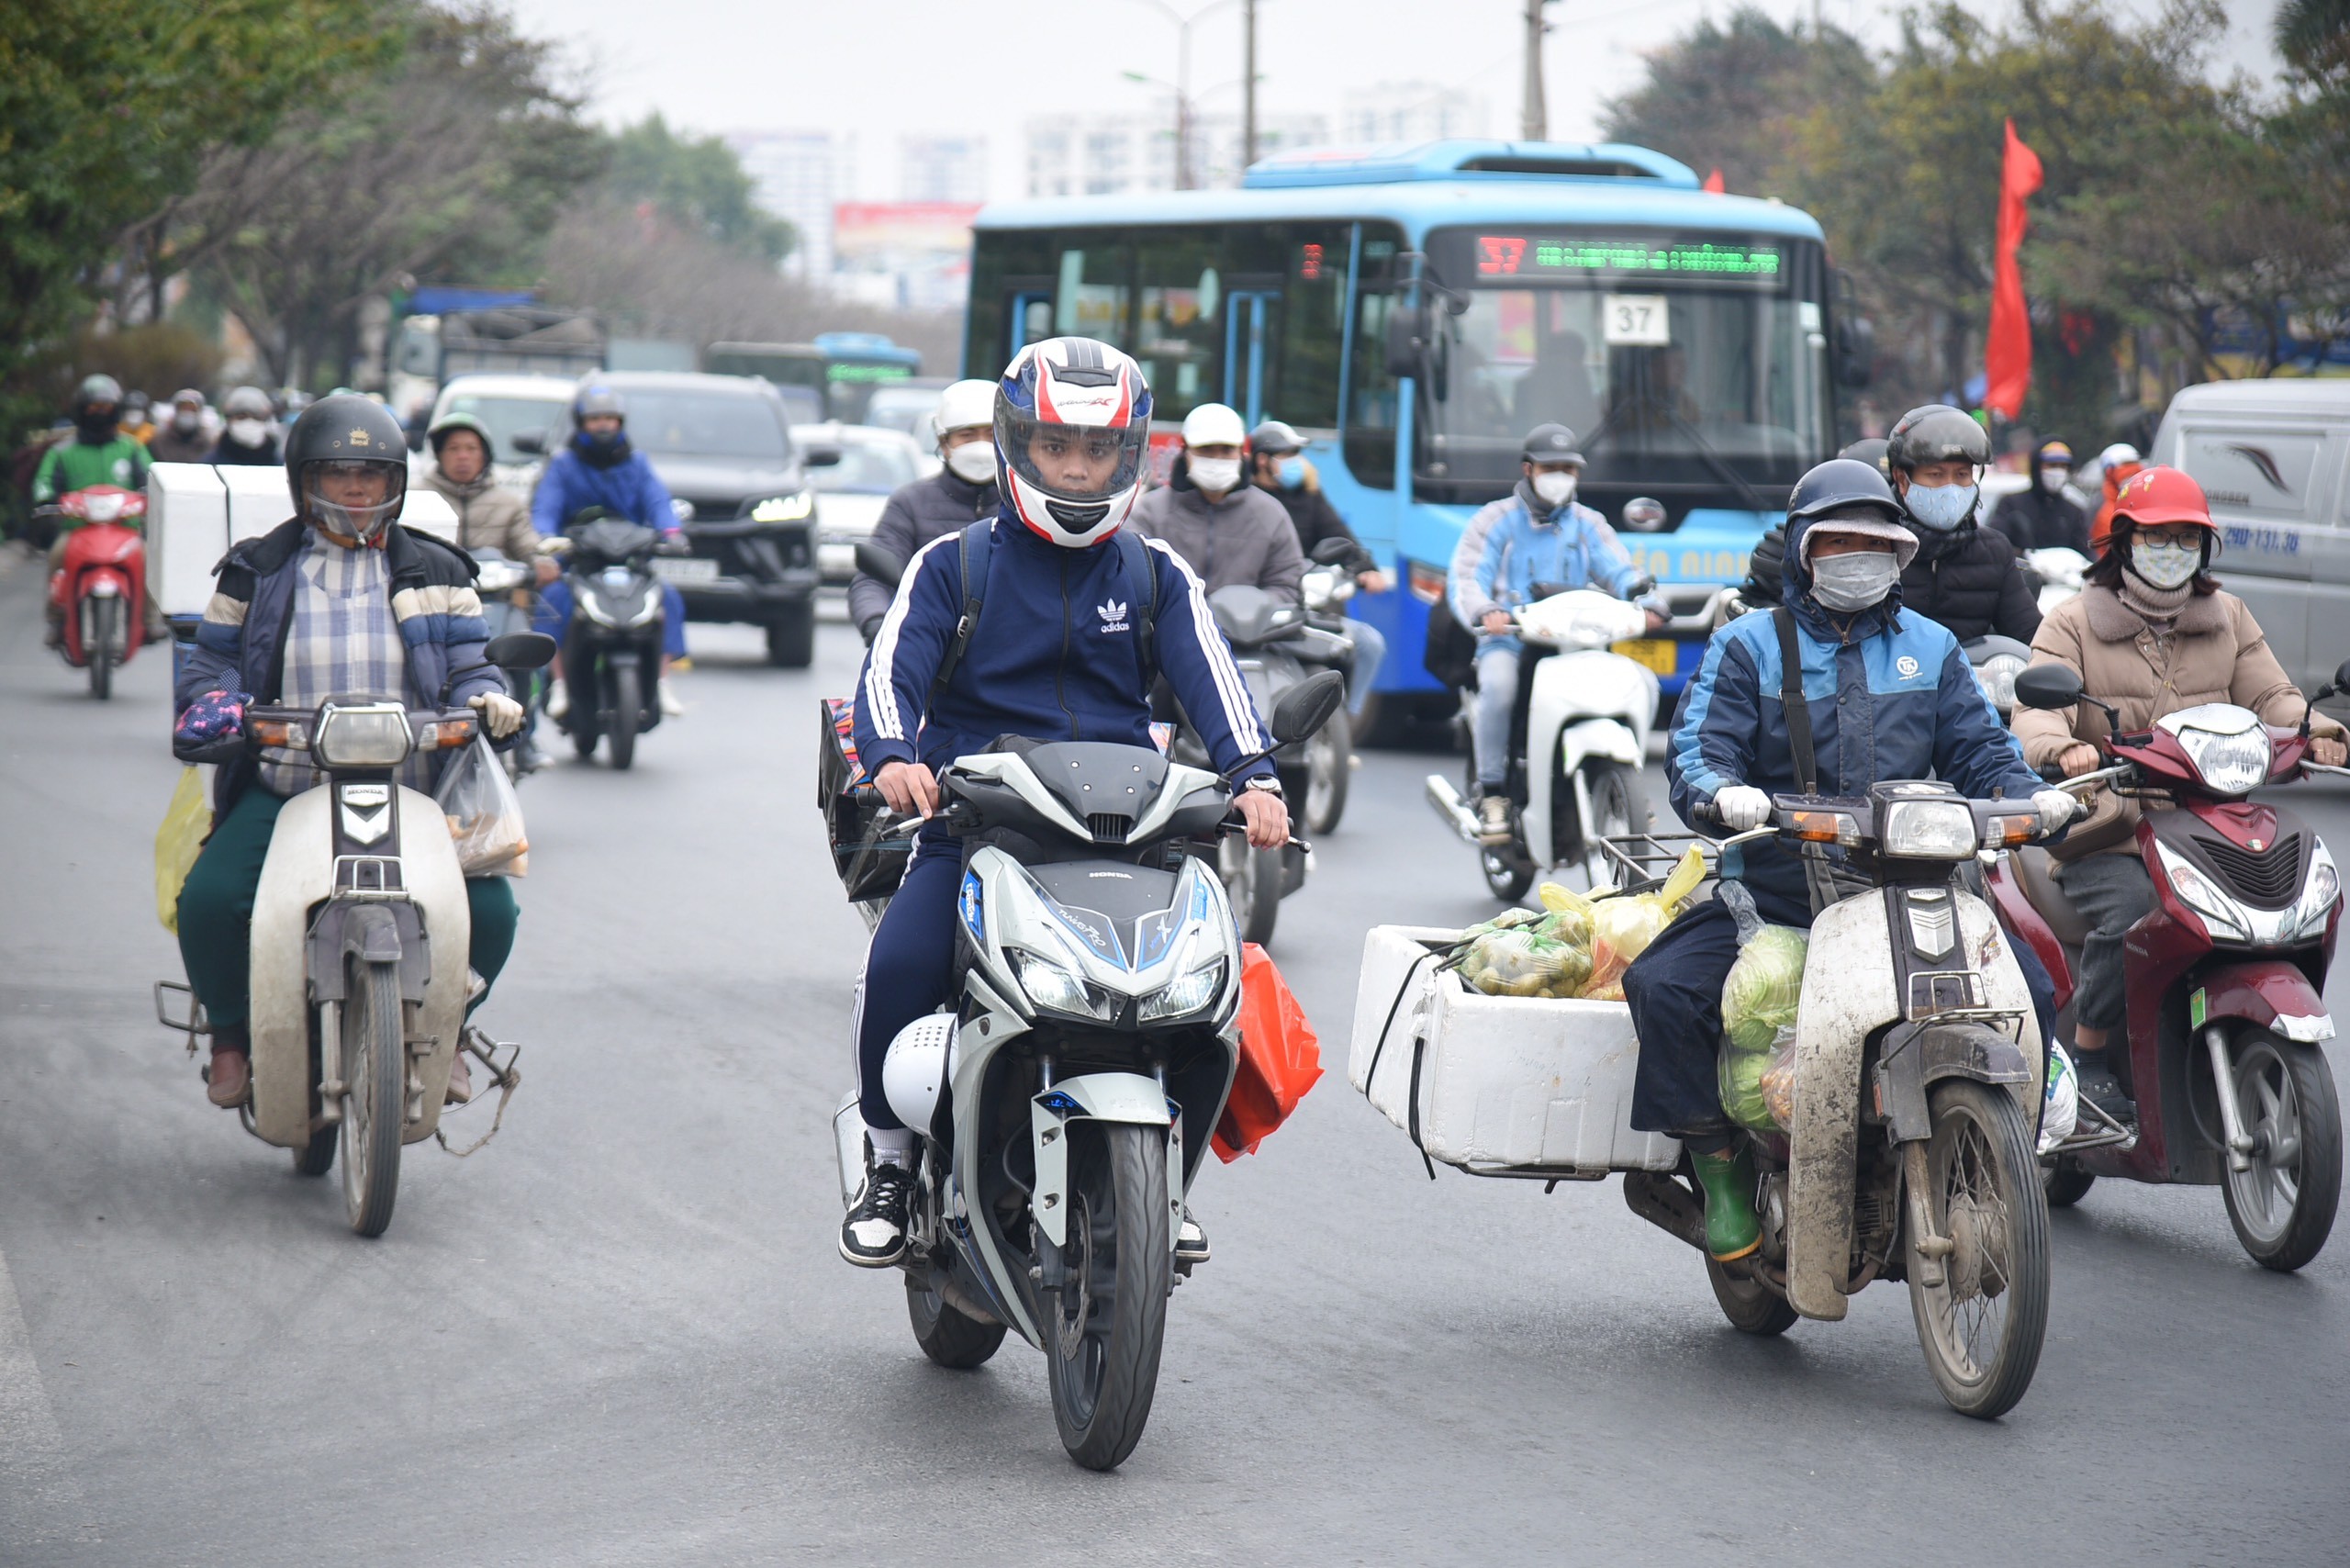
x,y
1535,541
1886,694
1026,626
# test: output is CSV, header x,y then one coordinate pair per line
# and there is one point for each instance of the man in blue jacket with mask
x,y
1056,653
599,468
1890,696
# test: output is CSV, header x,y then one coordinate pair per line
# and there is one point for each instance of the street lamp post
x,y
1183,181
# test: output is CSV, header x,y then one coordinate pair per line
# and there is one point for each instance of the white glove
x,y
1742,806
2056,807
500,712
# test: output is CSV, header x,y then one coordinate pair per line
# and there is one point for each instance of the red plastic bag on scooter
x,y
1280,1058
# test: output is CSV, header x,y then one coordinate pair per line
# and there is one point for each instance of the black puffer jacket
x,y
1969,580
916,514
2034,519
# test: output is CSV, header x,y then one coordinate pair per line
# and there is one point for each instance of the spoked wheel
x,y
628,711
1981,1328
1752,1307
1329,768
97,645
1252,881
1104,1327
374,1078
1619,808
946,1334
2283,1207
2066,1182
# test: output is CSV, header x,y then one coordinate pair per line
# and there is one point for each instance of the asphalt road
x,y
621,1335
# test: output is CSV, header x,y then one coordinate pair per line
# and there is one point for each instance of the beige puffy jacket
x,y
2215,652
489,516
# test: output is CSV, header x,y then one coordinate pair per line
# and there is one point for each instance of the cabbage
x,y
1765,987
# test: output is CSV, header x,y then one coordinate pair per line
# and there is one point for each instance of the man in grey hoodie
x,y
1227,529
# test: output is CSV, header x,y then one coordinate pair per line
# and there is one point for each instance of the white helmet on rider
x,y
963,405
1072,430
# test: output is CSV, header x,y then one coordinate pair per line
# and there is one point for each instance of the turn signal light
x,y
1826,827
1427,583
284,734
2006,833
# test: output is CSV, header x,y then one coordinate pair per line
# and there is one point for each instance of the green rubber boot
x,y
1728,1180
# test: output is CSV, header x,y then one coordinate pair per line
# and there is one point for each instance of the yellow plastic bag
x,y
1622,927
178,839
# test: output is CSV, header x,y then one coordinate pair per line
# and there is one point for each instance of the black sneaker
x,y
874,1234
1191,1242
2098,1086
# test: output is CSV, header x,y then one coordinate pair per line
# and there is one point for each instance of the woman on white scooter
x,y
2151,633
338,598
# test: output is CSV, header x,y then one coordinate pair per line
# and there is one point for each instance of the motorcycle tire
x,y
1105,1329
1619,807
1330,762
1252,881
947,1335
791,636
1984,1193
2066,1182
316,1157
1752,1307
628,711
375,1076
2283,1210
97,645
1507,873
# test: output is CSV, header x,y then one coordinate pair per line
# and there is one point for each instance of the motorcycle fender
x,y
1843,1004
1096,1097
1917,1056
377,929
1610,738
2268,995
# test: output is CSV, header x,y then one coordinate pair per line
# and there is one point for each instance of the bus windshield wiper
x,y
1706,453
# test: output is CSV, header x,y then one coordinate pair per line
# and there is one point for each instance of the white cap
x,y
2119,452
963,405
1868,525
1212,424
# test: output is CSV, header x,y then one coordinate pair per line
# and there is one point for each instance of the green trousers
x,y
217,911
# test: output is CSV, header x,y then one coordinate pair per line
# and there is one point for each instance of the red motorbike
x,y
101,584
2225,977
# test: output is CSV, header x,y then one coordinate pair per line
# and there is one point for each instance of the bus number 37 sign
x,y
1636,320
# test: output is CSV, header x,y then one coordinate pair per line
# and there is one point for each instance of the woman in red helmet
x,y
2151,633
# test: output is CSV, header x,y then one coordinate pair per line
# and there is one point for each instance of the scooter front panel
x,y
296,876
1848,993
1569,688
436,886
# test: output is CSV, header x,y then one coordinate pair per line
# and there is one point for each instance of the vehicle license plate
x,y
685,568
1659,654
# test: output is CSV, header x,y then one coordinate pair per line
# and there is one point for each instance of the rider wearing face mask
x,y
97,453
341,598
1229,531
2042,516
1276,463
185,435
2151,632
248,438
1890,696
1535,541
1053,653
959,494
1964,577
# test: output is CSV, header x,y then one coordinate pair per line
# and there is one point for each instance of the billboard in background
x,y
910,255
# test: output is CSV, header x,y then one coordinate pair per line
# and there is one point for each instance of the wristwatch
x,y
1265,783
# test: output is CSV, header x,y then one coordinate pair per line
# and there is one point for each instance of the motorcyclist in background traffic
x,y
1535,541
959,494
249,435
1055,656
489,516
598,468
340,598
97,453
2117,465
1229,531
2042,516
135,423
1278,463
1964,576
1890,696
186,436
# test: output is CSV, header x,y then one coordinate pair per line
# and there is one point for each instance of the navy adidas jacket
x,y
1056,656
1891,694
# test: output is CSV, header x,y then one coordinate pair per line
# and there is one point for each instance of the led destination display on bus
x,y
1599,256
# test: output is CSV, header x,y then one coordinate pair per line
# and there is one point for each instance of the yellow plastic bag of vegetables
x,y
1624,924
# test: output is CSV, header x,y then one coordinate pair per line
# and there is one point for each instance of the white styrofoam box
x,y
258,501
429,511
1504,1081
187,527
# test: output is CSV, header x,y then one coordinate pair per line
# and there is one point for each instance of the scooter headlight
x,y
592,606
1057,989
647,610
375,736
1997,677
1929,830
2220,913
2231,765
1188,994
2320,890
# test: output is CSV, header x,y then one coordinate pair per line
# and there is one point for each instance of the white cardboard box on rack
x,y
196,511
1504,1081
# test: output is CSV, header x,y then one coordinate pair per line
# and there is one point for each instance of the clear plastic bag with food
x,y
1761,997
483,814
2060,1113
1623,925
1515,963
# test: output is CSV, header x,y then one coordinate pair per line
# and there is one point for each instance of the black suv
x,y
722,445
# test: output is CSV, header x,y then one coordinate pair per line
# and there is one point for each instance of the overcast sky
x,y
985,66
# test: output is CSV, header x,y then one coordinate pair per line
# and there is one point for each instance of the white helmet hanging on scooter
x,y
1072,433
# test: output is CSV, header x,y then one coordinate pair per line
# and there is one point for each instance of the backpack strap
x,y
976,545
1791,698
1141,571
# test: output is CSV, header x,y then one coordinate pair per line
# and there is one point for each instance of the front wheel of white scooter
x,y
1105,1328
1982,1320
374,1078
1620,808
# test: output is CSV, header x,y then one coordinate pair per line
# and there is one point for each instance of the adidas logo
x,y
1113,616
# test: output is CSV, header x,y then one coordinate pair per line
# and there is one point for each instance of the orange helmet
x,y
2152,497
2121,463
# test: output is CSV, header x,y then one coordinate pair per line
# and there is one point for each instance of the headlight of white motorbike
x,y
593,608
1997,677
647,610
2231,765
374,736
2220,913
2319,892
1181,997
1929,830
1057,989
785,509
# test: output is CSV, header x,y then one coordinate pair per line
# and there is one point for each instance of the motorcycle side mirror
x,y
1335,552
520,650
1409,331
882,565
2048,686
530,443
1307,706
821,457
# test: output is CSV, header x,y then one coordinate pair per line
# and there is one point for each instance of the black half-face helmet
x,y
346,429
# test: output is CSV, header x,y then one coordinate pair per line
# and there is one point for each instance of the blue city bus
x,y
1416,310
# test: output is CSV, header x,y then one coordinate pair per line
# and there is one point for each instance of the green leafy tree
x,y
694,183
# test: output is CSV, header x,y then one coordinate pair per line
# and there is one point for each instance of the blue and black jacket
x,y
1891,694
1056,656
570,485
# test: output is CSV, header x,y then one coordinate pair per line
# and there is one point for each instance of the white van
x,y
2274,457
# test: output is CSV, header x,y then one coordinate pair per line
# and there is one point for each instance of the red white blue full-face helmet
x,y
1072,434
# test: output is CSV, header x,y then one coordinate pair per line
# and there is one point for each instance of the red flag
x,y
1715,184
2006,357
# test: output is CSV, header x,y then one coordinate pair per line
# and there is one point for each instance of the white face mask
x,y
2052,479
248,432
1216,475
1556,489
2165,566
973,462
1854,581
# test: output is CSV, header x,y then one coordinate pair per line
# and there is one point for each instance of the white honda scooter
x,y
1580,739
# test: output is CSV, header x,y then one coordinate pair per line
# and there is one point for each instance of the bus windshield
x,y
1668,374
